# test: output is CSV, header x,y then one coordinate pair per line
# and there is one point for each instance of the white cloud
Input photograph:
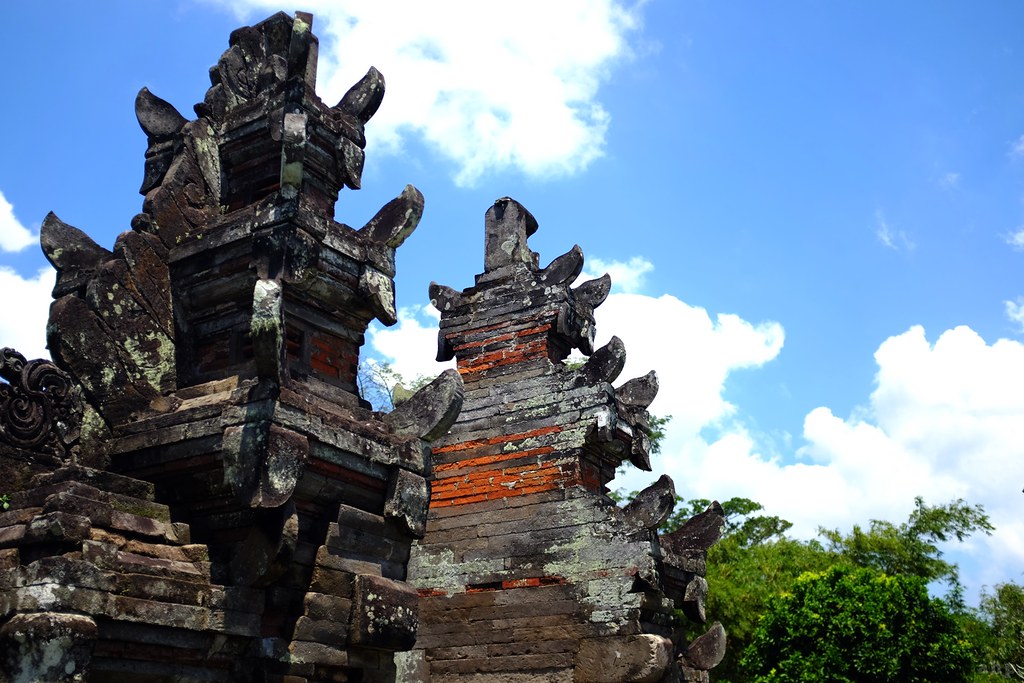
x,y
410,347
1016,239
943,422
1015,312
692,353
882,231
950,181
13,235
1017,148
890,237
490,86
628,277
26,309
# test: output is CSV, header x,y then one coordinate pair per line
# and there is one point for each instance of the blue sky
x,y
813,212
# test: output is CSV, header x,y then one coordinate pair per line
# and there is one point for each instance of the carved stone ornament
x,y
39,405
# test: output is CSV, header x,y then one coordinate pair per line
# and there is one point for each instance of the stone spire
x,y
224,505
528,569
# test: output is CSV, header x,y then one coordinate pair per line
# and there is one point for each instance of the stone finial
x,y
564,269
592,293
111,324
507,226
695,599
698,533
397,219
706,651
157,117
73,254
642,658
685,551
444,298
605,364
652,506
162,124
363,99
639,392
430,412
632,400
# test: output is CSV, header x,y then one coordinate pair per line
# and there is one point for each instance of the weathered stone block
x,y
263,462
58,527
332,581
621,659
325,632
407,501
47,646
706,651
327,607
303,652
385,614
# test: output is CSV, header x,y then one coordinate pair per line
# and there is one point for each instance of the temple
x,y
196,490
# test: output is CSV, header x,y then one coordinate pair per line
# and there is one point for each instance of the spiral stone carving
x,y
37,404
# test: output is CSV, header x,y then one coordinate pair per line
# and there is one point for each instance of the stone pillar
x,y
224,505
528,570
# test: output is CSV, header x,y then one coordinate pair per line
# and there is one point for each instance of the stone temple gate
x,y
196,490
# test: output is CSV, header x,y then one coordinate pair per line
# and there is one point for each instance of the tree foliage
x,y
742,526
853,624
657,433
383,387
755,565
1001,614
911,548
755,561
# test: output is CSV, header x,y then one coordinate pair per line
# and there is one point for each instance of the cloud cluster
x,y
943,422
410,347
1016,239
489,86
1017,148
1015,312
891,237
628,277
13,235
26,309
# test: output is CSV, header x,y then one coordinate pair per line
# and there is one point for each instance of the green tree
x,y
755,561
741,524
911,548
657,433
752,562
383,387
853,624
1001,612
